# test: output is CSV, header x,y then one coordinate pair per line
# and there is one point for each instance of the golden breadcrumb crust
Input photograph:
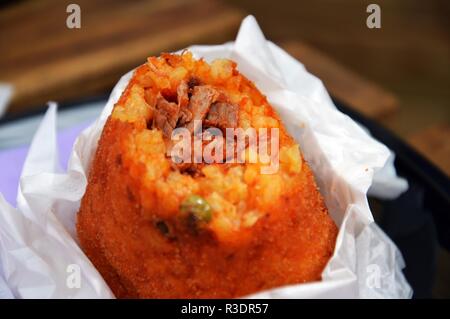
x,y
266,230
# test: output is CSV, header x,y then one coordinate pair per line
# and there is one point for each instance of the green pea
x,y
198,207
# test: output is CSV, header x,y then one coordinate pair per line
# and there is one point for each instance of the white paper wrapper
x,y
38,242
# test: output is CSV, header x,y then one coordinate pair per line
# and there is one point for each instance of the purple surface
x,y
12,160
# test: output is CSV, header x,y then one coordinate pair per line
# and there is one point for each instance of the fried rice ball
x,y
155,228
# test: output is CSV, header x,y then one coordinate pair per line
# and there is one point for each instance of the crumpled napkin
x,y
39,254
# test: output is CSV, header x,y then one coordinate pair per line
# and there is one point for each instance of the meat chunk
x,y
202,98
185,115
165,116
206,103
183,94
222,115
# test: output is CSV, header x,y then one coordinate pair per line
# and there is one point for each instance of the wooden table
x,y
434,144
342,83
45,60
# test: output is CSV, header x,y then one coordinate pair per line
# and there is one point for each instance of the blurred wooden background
x,y
409,56
398,75
46,60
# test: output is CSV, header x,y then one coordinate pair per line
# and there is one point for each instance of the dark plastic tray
x,y
419,220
